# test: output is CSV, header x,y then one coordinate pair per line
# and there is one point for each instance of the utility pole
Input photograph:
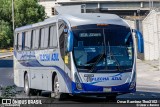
x,y
13,15
152,4
149,4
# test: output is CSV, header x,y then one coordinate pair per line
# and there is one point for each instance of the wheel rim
x,y
26,84
56,85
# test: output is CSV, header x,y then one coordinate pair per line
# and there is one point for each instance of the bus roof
x,y
80,19
93,18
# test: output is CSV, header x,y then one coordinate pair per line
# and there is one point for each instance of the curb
x,y
6,50
4,56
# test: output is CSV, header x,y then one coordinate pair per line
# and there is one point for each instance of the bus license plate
x,y
106,89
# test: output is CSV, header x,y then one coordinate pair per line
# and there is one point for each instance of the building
x,y
120,7
136,11
49,6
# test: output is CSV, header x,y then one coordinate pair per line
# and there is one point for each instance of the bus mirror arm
x,y
140,42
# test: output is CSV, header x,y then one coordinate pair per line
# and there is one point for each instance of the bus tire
x,y
27,89
39,92
56,93
111,98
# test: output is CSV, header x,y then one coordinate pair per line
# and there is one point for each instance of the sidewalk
x,y
6,50
148,76
4,55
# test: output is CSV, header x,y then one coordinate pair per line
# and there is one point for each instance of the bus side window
x,y
16,41
28,40
52,36
35,40
38,35
31,41
20,42
23,40
41,35
44,38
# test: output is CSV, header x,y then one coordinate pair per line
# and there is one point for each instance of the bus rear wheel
x,y
26,85
27,89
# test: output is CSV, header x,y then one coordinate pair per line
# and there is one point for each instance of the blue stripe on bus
x,y
35,63
72,86
66,78
87,88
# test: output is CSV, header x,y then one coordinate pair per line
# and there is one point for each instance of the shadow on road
x,y
139,95
6,63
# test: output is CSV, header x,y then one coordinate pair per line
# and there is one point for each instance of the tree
x,y
26,12
5,34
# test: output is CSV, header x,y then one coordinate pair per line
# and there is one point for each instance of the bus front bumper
x,y
93,89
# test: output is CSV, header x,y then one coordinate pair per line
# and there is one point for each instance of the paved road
x,y
7,62
148,76
2,55
148,84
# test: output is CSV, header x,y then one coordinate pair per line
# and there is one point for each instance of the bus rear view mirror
x,y
70,41
140,42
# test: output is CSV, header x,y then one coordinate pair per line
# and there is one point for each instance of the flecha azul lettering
x,y
45,57
116,78
48,57
100,78
55,57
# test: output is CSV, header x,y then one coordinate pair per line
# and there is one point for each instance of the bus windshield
x,y
102,49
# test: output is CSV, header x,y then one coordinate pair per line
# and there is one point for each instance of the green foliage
x,y
5,34
6,11
8,92
26,12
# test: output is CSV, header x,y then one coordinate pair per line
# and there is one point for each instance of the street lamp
x,y
13,14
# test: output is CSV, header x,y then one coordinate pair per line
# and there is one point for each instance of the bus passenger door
x,y
67,57
63,35
63,40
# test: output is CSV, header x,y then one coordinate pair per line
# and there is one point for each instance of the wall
x,y
48,4
151,29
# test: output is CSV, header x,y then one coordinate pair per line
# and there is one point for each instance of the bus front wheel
x,y
111,97
56,93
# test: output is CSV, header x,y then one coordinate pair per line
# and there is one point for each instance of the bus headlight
x,y
132,85
78,83
79,86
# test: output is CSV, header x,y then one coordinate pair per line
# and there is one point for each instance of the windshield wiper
x,y
111,55
97,61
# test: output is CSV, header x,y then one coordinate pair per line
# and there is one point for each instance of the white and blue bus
x,y
79,54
